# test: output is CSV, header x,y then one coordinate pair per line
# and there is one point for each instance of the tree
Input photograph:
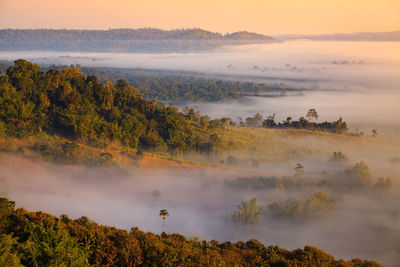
x,y
341,126
299,169
248,212
270,121
384,184
316,205
288,121
359,175
374,133
258,119
339,157
312,115
163,214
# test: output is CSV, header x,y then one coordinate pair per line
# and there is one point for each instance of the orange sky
x,y
263,16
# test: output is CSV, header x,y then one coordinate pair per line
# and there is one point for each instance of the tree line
x,y
308,122
354,178
123,40
178,87
40,239
249,212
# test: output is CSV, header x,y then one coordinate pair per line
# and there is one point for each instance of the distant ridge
x,y
122,40
132,34
393,36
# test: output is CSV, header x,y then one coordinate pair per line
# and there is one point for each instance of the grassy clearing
x,y
243,142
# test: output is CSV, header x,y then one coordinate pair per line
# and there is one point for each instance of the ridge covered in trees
x,y
175,86
70,104
40,239
123,40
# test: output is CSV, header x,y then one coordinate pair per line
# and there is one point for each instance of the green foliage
x,y
248,212
164,213
300,210
8,253
50,245
338,126
68,103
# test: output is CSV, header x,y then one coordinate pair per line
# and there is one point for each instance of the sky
x,y
263,16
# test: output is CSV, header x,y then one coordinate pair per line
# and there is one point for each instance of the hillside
x,y
40,239
63,107
244,143
122,40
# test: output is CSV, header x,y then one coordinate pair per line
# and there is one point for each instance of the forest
x,y
179,87
76,106
73,105
123,40
105,133
175,87
40,239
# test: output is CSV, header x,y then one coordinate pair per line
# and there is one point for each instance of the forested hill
x,y
122,40
40,239
68,103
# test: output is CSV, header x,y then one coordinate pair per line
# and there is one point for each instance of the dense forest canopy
x,y
40,239
122,40
178,87
68,103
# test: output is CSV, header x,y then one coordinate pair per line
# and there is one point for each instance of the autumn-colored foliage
x,y
40,239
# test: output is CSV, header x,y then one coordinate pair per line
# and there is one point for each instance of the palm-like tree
x,y
163,214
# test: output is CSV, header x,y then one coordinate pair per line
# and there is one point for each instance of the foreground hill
x,y
122,40
40,239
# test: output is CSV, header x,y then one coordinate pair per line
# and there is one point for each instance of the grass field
x,y
244,143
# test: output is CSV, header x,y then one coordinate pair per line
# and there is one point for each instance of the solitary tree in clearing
x,y
299,169
163,214
312,115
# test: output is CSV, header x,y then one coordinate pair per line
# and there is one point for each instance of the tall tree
x,y
164,214
312,115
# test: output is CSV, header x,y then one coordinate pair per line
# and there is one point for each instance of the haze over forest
x,y
271,139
